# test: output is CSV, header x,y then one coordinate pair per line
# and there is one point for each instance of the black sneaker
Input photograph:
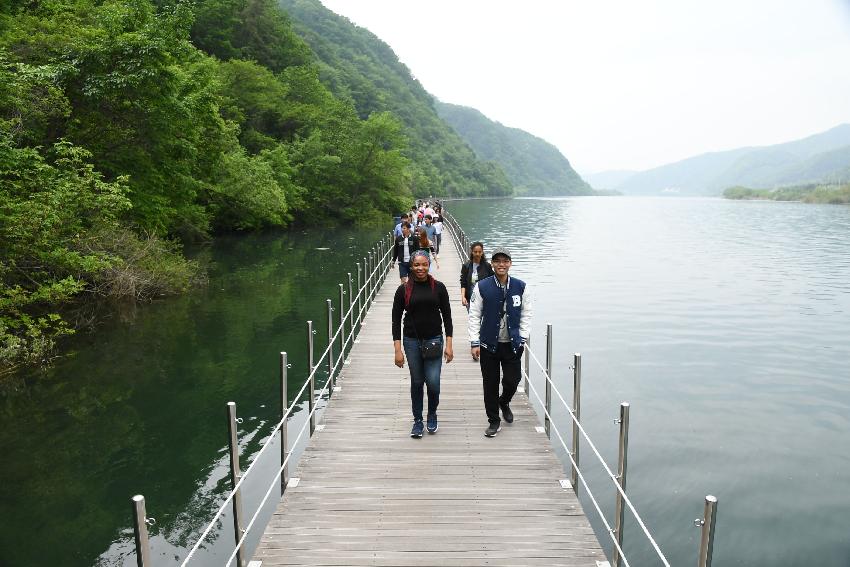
x,y
492,430
432,424
507,413
418,429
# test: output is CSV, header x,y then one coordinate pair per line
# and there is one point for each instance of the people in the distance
x,y
500,313
437,223
473,271
427,312
397,231
405,246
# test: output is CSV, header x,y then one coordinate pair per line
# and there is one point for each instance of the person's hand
x,y
463,300
449,353
399,359
476,353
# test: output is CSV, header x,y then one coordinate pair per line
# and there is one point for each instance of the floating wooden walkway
x,y
369,494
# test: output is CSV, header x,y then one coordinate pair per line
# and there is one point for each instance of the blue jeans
x,y
422,372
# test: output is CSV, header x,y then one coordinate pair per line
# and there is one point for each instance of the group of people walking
x,y
499,314
418,230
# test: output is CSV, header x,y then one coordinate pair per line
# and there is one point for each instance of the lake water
x,y
726,325
139,405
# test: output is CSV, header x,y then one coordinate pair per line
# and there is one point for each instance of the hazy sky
x,y
624,84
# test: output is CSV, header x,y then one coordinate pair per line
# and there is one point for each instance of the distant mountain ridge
x,y
357,66
821,157
533,165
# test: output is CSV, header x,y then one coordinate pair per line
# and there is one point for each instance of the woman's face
x,y
419,267
477,254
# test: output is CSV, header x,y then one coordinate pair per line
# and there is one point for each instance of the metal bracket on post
x,y
284,407
140,529
546,423
330,347
706,545
577,413
622,462
235,476
310,369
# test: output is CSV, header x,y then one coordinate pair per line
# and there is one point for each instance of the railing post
x,y
365,297
371,277
330,347
351,306
546,421
359,288
284,437
577,413
312,375
342,319
622,462
235,476
140,529
706,545
527,363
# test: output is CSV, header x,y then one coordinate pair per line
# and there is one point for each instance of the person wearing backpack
x,y
425,304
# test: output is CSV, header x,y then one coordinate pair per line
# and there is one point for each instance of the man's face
x,y
501,265
427,220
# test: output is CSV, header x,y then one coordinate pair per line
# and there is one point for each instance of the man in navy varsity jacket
x,y
500,311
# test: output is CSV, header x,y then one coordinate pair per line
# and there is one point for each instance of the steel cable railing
x,y
599,457
367,292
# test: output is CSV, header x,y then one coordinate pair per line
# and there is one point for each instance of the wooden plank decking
x,y
368,494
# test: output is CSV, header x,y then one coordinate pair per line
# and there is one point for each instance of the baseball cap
x,y
502,251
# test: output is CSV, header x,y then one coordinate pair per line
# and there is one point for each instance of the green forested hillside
x,y
127,126
359,67
535,166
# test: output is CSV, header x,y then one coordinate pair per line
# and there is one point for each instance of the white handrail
x,y
611,475
383,267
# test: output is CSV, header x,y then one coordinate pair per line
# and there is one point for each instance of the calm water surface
x,y
726,325
139,405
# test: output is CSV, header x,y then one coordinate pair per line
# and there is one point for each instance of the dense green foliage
x,y
125,125
535,166
826,194
359,67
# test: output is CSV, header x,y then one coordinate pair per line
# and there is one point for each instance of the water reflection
x,y
139,405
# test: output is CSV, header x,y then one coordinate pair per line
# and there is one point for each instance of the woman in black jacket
x,y
427,311
473,272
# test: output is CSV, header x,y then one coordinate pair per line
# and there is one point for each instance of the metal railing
x,y
376,266
707,523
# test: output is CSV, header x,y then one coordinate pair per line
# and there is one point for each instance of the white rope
x,y
608,527
276,477
289,411
602,461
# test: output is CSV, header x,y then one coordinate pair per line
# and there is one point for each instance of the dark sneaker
x,y
418,429
432,424
492,430
507,413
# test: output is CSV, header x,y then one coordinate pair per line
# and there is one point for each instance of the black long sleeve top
x,y
425,307
400,242
485,270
